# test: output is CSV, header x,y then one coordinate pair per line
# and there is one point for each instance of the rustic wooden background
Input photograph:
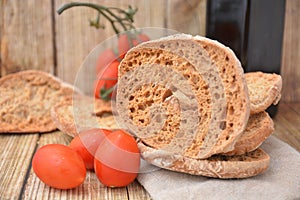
x,y
34,36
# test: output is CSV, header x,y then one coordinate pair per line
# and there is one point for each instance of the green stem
x,y
126,22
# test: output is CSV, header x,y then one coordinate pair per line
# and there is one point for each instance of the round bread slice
x,y
260,126
82,113
264,90
183,94
217,166
26,98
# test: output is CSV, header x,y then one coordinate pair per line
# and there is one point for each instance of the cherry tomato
x,y
127,41
86,144
117,160
124,44
106,81
140,39
104,59
59,166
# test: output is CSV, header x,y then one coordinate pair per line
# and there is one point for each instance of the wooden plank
x,y
150,13
1,28
291,118
136,192
285,135
187,16
16,151
287,125
295,106
26,36
290,68
90,189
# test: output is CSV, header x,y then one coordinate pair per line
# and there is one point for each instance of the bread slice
x,y
183,93
26,98
82,113
264,90
259,127
217,166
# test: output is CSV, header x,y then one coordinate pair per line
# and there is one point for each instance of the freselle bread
x,y
217,166
201,78
26,99
244,161
264,90
83,113
260,126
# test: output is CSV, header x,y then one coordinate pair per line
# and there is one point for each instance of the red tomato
x,y
86,144
104,59
127,41
106,81
124,44
117,160
140,39
59,166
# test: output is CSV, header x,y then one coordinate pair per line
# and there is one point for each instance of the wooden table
x,y
17,180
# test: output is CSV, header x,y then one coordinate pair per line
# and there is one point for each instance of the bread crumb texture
x,y
26,99
83,113
216,83
264,90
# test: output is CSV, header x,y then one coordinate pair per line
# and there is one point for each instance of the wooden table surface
x,y
17,180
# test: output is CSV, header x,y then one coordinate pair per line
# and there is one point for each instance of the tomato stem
x,y
114,15
105,93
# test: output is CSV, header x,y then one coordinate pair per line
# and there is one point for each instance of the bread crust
x,y
82,113
26,100
224,167
264,90
260,126
233,98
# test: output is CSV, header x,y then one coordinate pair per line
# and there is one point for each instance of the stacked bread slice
x,y
187,100
82,112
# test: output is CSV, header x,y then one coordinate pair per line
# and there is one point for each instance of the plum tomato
x,y
59,166
105,58
117,160
127,40
106,81
140,39
123,44
86,144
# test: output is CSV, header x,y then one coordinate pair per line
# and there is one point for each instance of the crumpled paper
x,y
281,181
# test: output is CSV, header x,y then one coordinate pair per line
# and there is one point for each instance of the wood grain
x,y
187,16
1,28
26,36
287,124
136,191
290,68
15,157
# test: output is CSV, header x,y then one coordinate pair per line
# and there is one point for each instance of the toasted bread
x,y
217,166
82,113
264,90
209,86
259,128
26,98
